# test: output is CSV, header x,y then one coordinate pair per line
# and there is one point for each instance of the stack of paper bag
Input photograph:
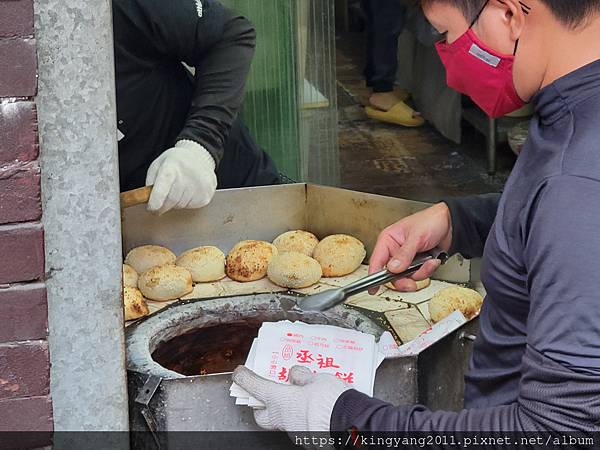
x,y
349,355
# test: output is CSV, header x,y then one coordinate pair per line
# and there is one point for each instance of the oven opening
x,y
208,350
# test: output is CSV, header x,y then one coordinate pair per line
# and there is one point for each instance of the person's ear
x,y
514,17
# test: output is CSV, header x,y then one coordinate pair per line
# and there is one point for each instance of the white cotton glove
x,y
183,177
305,405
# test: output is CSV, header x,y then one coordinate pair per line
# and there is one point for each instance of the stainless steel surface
x,y
202,402
324,300
232,216
433,378
265,212
467,337
331,297
148,390
143,338
440,371
143,399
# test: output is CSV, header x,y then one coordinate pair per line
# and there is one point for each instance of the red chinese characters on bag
x,y
326,362
273,365
304,357
347,377
284,374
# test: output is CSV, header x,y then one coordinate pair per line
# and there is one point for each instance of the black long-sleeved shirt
x,y
158,100
536,361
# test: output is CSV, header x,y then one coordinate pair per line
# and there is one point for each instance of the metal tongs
x,y
332,297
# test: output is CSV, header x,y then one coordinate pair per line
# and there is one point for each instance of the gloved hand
x,y
183,177
305,405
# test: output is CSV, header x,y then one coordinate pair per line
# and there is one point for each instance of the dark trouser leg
x,y
386,19
368,72
244,163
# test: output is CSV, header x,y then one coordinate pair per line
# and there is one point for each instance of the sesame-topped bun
x,y
164,283
130,276
134,303
296,241
454,298
248,260
294,270
421,284
339,255
148,256
206,264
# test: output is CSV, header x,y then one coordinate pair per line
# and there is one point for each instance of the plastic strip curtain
x,y
318,119
290,105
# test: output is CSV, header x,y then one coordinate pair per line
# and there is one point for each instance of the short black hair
x,y
469,8
572,13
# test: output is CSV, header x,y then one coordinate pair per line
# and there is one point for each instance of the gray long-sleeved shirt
x,y
536,361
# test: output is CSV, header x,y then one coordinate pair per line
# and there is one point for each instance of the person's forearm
x,y
220,81
472,218
552,398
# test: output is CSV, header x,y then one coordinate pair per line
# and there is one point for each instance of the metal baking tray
x,y
433,378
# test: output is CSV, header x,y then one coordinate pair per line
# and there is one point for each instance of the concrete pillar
x,y
77,122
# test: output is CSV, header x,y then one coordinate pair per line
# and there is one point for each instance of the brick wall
x,y
25,402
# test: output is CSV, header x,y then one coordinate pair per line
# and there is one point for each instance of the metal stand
x,y
342,16
491,138
494,130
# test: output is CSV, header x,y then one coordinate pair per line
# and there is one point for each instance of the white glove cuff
x,y
204,156
320,420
